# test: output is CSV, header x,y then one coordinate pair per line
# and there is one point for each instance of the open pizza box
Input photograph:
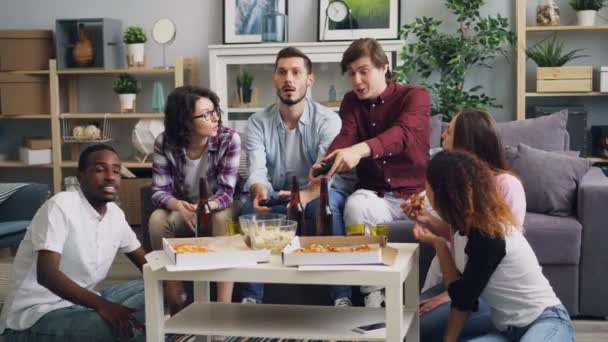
x,y
224,252
378,254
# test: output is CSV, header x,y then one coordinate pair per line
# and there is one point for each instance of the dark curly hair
x,y
181,103
466,195
83,160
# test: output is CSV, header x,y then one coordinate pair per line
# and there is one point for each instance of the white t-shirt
x,y
88,242
194,169
296,162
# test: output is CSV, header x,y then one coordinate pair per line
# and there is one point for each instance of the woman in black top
x,y
501,267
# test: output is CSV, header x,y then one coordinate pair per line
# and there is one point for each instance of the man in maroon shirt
x,y
385,136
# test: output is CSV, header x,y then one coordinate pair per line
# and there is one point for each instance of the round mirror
x,y
163,31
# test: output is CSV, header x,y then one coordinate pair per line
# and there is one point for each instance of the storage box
x,y
38,143
129,201
25,49
380,253
227,251
24,94
564,79
34,157
105,35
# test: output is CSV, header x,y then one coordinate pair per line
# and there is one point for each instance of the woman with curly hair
x,y
194,145
472,130
501,267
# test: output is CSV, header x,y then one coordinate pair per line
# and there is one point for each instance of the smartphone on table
x,y
368,328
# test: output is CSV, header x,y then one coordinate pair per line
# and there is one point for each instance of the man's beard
x,y
291,102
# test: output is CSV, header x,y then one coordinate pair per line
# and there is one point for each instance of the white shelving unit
x,y
225,61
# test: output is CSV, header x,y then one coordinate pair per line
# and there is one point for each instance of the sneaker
x,y
343,302
374,299
250,300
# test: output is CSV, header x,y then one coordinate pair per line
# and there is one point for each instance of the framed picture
x,y
353,19
243,19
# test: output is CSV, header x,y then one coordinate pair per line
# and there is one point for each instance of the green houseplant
x,y
551,75
127,87
449,57
135,37
244,82
586,10
550,53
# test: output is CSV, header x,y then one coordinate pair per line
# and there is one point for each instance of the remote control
x,y
324,169
272,201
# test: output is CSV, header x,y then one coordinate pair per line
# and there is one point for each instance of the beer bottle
x,y
204,225
324,216
295,211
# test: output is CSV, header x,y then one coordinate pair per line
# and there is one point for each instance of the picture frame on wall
x,y
346,20
242,22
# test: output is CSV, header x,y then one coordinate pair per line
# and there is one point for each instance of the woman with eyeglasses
x,y
194,145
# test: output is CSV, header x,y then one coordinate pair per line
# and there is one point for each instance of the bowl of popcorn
x,y
268,231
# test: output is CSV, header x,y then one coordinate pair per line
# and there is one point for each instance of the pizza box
x,y
380,253
225,251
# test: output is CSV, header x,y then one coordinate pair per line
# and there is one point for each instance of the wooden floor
x,y
591,331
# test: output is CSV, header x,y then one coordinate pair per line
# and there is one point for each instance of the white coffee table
x,y
291,321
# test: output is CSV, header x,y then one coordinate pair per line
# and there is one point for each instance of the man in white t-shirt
x,y
67,250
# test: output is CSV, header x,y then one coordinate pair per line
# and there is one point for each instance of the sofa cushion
x,y
547,133
12,227
550,179
435,131
555,240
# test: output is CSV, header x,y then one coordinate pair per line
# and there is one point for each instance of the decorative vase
x,y
83,52
247,94
136,55
158,97
274,25
127,102
586,18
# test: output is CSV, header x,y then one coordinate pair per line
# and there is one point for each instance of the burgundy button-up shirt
x,y
396,128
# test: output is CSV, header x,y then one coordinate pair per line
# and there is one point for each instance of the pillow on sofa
x,y
550,179
547,133
435,131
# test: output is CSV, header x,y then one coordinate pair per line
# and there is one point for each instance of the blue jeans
x,y
433,324
337,199
77,323
553,324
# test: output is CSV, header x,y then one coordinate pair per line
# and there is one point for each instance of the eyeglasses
x,y
209,114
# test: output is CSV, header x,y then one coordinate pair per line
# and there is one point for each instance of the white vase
x,y
127,102
136,55
586,18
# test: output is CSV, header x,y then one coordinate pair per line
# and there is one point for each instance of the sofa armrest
x,y
592,201
24,203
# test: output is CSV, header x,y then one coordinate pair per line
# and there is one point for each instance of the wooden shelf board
x,y
112,115
30,72
598,159
566,28
594,93
28,116
125,163
20,164
243,109
117,71
279,321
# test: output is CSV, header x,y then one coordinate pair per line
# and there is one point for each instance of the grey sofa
x,y
570,248
17,211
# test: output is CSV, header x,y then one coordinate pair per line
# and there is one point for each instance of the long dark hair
x,y
466,195
475,131
181,103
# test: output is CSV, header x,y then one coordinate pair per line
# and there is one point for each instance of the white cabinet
x,y
227,61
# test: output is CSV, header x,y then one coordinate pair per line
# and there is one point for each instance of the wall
x,y
199,24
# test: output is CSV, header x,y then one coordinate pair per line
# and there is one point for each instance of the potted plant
x,y
586,10
244,83
135,37
451,56
551,75
127,87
